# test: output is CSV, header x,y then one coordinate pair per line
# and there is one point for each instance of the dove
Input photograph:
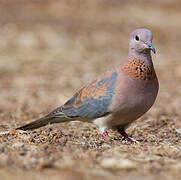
x,y
117,97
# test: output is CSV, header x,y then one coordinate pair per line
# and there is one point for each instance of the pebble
x,y
118,164
178,130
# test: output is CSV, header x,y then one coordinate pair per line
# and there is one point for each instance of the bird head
x,y
141,41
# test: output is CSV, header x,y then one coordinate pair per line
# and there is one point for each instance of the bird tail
x,y
43,122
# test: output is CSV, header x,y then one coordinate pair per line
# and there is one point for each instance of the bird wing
x,y
91,101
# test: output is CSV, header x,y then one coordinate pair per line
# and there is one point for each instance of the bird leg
x,y
125,135
105,133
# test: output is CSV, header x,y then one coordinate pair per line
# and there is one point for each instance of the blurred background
x,y
50,48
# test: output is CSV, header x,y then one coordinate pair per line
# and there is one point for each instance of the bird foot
x,y
126,138
105,133
129,140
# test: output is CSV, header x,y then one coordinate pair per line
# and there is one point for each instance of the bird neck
x,y
139,66
144,57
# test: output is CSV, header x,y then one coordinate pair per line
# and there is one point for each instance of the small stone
x,y
17,145
178,130
118,164
106,145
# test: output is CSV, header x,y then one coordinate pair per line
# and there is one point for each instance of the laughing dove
x,y
117,97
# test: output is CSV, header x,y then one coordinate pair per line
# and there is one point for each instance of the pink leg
x,y
105,134
125,136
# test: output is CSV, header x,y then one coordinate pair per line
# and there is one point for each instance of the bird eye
x,y
137,38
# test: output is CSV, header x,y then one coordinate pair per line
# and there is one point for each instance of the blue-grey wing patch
x,y
92,101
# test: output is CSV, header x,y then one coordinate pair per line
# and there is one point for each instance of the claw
x,y
129,140
126,138
105,133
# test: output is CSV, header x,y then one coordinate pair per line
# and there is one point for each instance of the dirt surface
x,y
48,50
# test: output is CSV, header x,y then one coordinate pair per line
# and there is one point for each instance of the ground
x,y
48,50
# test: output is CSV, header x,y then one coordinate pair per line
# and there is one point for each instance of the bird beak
x,y
151,47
